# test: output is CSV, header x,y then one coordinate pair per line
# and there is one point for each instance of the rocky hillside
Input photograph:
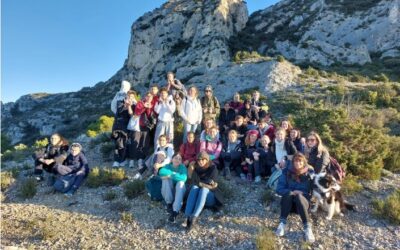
x,y
198,39
325,31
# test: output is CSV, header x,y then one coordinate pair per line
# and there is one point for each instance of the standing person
x,y
119,106
46,158
174,86
131,104
316,153
189,149
225,120
204,191
165,109
147,121
154,91
294,186
75,165
271,127
212,145
210,104
174,176
258,105
231,155
236,104
191,112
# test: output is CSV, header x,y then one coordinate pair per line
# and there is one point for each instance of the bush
x,y
312,72
126,217
392,163
27,189
350,185
41,143
280,58
119,206
5,143
20,147
6,180
243,55
104,124
106,150
226,189
267,196
110,195
266,240
389,208
105,177
133,188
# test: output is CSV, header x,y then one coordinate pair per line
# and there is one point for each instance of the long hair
x,y
320,146
62,141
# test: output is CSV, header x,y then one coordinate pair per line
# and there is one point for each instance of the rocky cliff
x,y
325,31
197,39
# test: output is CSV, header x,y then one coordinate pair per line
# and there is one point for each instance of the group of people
x,y
239,138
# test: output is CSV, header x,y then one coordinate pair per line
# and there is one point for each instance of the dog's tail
x,y
350,206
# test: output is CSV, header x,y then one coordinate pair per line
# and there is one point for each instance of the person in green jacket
x,y
174,176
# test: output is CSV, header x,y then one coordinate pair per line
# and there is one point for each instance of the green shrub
x,y
243,55
41,143
126,217
5,143
106,150
105,177
312,72
133,188
27,188
6,180
267,196
280,58
392,163
20,147
119,206
110,195
266,240
104,124
389,208
350,185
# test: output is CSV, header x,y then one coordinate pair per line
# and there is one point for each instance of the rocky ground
x,y
87,221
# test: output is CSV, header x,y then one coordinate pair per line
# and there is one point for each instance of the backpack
x,y
64,183
274,178
153,187
336,170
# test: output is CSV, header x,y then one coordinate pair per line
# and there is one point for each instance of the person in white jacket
x,y
191,112
165,108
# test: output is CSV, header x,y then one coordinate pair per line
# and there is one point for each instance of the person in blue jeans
x,y
204,191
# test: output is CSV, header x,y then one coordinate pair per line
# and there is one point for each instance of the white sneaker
x,y
137,176
122,164
115,164
280,231
257,179
309,234
132,163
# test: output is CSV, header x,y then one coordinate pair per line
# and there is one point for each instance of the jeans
x,y
80,177
198,198
295,203
168,190
164,128
188,128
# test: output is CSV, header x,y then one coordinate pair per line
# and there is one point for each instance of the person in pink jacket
x,y
212,145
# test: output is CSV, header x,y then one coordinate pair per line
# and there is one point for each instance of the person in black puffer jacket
x,y
317,154
55,152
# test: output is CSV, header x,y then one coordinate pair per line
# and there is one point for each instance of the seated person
x,y
297,140
76,166
250,146
231,154
161,157
189,149
207,123
204,191
236,104
211,145
240,127
173,189
250,115
264,159
55,152
283,149
294,186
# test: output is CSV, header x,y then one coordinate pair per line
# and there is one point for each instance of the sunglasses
x,y
207,90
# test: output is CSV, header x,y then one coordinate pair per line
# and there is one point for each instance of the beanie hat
x,y
252,132
203,155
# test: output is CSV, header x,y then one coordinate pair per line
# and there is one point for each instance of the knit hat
x,y
203,155
253,132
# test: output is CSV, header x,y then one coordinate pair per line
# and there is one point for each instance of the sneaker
x,y
137,176
280,231
309,234
191,223
172,217
257,179
249,177
69,194
132,163
243,176
115,164
169,209
39,178
122,164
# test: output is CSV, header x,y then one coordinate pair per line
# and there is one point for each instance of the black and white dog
x,y
327,192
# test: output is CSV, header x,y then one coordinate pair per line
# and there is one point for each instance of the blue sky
x,y
57,46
